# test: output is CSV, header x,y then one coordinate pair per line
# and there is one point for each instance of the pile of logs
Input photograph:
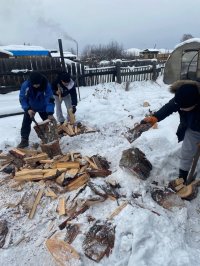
x,y
68,129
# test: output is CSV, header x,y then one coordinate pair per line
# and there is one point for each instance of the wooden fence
x,y
14,71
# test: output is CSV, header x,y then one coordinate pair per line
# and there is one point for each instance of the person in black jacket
x,y
187,102
64,90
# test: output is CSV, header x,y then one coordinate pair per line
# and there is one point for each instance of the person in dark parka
x,y
64,90
35,96
187,103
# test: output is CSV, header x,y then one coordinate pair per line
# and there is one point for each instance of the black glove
x,y
73,109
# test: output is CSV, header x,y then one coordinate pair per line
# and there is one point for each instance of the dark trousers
x,y
26,124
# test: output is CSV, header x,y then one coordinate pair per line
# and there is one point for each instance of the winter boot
x,y
183,174
23,144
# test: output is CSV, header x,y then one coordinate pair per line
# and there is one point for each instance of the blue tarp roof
x,y
29,52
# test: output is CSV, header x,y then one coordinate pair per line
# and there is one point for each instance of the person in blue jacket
x,y
35,96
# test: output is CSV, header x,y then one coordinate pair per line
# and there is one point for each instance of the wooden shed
x,y
149,53
184,62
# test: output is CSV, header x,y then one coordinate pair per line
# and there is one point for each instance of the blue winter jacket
x,y
39,100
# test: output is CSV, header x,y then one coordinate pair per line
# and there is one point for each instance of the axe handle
x,y
194,165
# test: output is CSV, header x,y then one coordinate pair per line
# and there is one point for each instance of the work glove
x,y
73,109
31,113
150,119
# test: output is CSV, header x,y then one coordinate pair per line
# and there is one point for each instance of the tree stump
x,y
52,148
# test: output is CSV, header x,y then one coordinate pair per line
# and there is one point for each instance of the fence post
x,y
61,55
154,76
118,73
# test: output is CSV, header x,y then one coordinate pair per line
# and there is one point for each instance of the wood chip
x,y
37,201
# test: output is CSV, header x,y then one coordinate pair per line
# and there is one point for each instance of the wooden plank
x,y
37,201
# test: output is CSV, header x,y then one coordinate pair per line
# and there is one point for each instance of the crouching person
x,y
35,96
64,90
187,103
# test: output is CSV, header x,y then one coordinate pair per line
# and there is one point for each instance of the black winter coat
x,y
65,91
189,119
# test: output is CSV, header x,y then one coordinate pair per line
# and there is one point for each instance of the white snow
x,y
16,47
188,41
142,237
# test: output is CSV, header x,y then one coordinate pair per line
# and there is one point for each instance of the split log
x,y
63,253
99,173
117,210
136,162
71,116
52,148
37,201
92,164
166,198
72,231
28,152
36,158
99,240
68,165
17,153
77,182
50,193
73,216
61,206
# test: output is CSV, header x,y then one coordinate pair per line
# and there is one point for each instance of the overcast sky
x,y
134,24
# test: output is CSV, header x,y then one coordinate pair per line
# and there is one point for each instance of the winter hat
x,y
35,78
65,77
187,95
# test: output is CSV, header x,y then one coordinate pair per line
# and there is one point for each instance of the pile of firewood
x,y
68,129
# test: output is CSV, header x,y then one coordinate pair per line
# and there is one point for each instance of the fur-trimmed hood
x,y
176,85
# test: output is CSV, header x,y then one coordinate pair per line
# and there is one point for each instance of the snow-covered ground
x,y
142,238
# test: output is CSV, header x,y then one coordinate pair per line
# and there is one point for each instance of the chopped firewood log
x,y
83,168
36,158
63,253
17,153
52,173
61,206
3,156
72,231
166,198
33,177
67,130
101,162
51,148
68,165
92,164
188,192
99,240
99,173
28,152
64,158
118,210
73,216
71,116
136,163
29,172
103,189
70,128
76,130
60,179
50,193
77,182
46,161
37,201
